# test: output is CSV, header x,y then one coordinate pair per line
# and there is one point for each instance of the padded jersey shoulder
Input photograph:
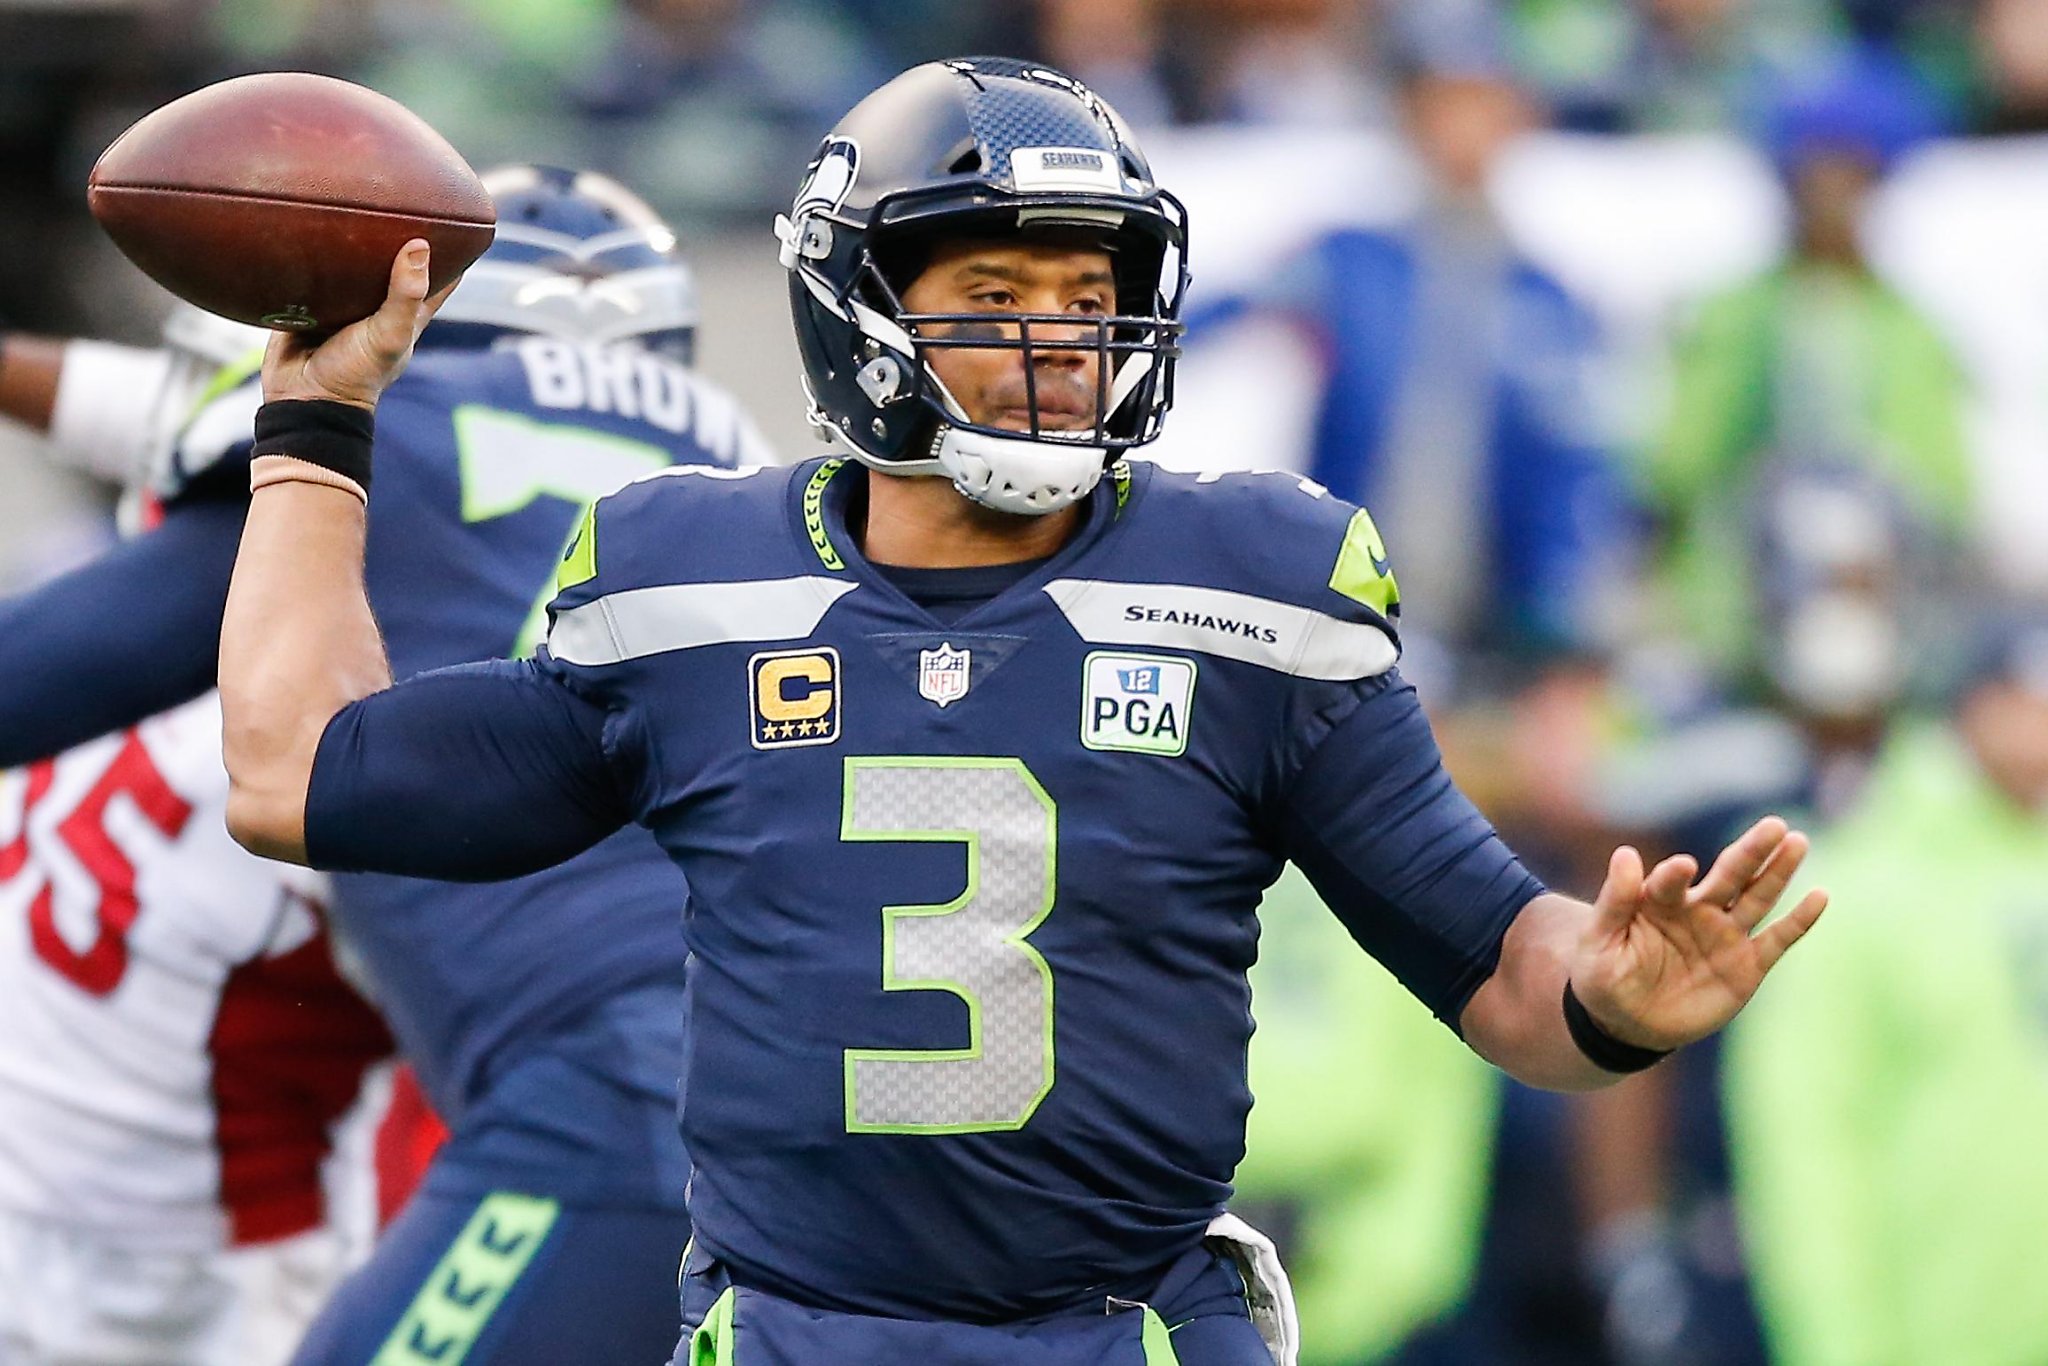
x,y
689,524
1267,534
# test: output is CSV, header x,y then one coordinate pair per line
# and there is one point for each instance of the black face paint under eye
x,y
988,331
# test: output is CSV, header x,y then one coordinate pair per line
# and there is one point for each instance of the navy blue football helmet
x,y
576,256
976,148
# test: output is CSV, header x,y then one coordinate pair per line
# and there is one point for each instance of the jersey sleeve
x,y
1413,870
133,633
470,774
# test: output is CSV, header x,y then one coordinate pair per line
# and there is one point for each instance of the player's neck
x,y
923,522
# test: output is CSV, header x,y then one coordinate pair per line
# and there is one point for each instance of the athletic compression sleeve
x,y
134,633
1415,872
470,774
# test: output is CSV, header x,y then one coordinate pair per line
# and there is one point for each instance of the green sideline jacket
x,y
1806,360
1888,1088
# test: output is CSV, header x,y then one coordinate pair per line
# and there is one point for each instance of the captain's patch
x,y
796,697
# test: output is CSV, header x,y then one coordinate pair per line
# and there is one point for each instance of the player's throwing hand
x,y
1666,961
356,364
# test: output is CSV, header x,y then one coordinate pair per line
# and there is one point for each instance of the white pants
x,y
72,1299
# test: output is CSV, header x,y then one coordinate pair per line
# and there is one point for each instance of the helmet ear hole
x,y
968,160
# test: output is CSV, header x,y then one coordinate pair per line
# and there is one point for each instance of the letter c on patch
x,y
773,700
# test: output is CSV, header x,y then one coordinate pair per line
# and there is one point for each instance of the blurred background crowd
x,y
1693,358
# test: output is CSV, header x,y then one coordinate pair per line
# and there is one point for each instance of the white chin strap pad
x,y
1018,475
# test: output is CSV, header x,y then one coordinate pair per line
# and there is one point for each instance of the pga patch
x,y
795,697
1136,703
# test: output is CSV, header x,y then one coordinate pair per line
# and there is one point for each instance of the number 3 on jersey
x,y
973,946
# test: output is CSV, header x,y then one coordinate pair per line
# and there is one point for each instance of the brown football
x,y
281,199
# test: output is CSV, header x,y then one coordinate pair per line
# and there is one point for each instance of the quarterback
x,y
977,743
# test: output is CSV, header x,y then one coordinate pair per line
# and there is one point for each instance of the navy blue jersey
x,y
973,904
484,461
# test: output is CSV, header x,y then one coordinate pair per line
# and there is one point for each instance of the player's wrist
x,y
1601,1046
314,441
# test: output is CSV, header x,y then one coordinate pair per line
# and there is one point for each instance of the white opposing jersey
x,y
174,1038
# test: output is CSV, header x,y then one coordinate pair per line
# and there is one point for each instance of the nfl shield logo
x,y
942,674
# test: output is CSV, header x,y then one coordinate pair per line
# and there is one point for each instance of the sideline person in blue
x,y
1456,375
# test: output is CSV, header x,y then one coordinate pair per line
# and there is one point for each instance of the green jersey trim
x,y
467,1285
1361,572
814,515
712,1343
1157,1340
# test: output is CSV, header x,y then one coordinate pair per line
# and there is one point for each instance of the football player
x,y
176,1044
544,1015
977,743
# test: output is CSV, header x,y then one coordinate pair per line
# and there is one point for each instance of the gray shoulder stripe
x,y
1273,635
638,622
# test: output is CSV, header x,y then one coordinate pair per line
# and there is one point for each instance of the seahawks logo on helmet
x,y
831,178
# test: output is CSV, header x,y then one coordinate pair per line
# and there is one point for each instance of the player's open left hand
x,y
356,364
1667,961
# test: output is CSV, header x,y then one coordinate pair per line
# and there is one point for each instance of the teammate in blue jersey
x,y
977,762
543,1015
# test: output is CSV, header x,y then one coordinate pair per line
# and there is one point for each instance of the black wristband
x,y
1602,1049
334,436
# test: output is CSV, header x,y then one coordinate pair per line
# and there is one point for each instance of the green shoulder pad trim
x,y
1362,572
711,1344
466,1287
233,375
579,562
814,514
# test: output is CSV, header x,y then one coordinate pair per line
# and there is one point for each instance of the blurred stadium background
x,y
1693,355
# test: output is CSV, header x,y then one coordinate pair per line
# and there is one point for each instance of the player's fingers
x,y
1790,929
1665,887
1764,890
1740,862
284,355
1620,893
394,327
409,271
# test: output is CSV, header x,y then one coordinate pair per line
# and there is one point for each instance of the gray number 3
x,y
973,946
